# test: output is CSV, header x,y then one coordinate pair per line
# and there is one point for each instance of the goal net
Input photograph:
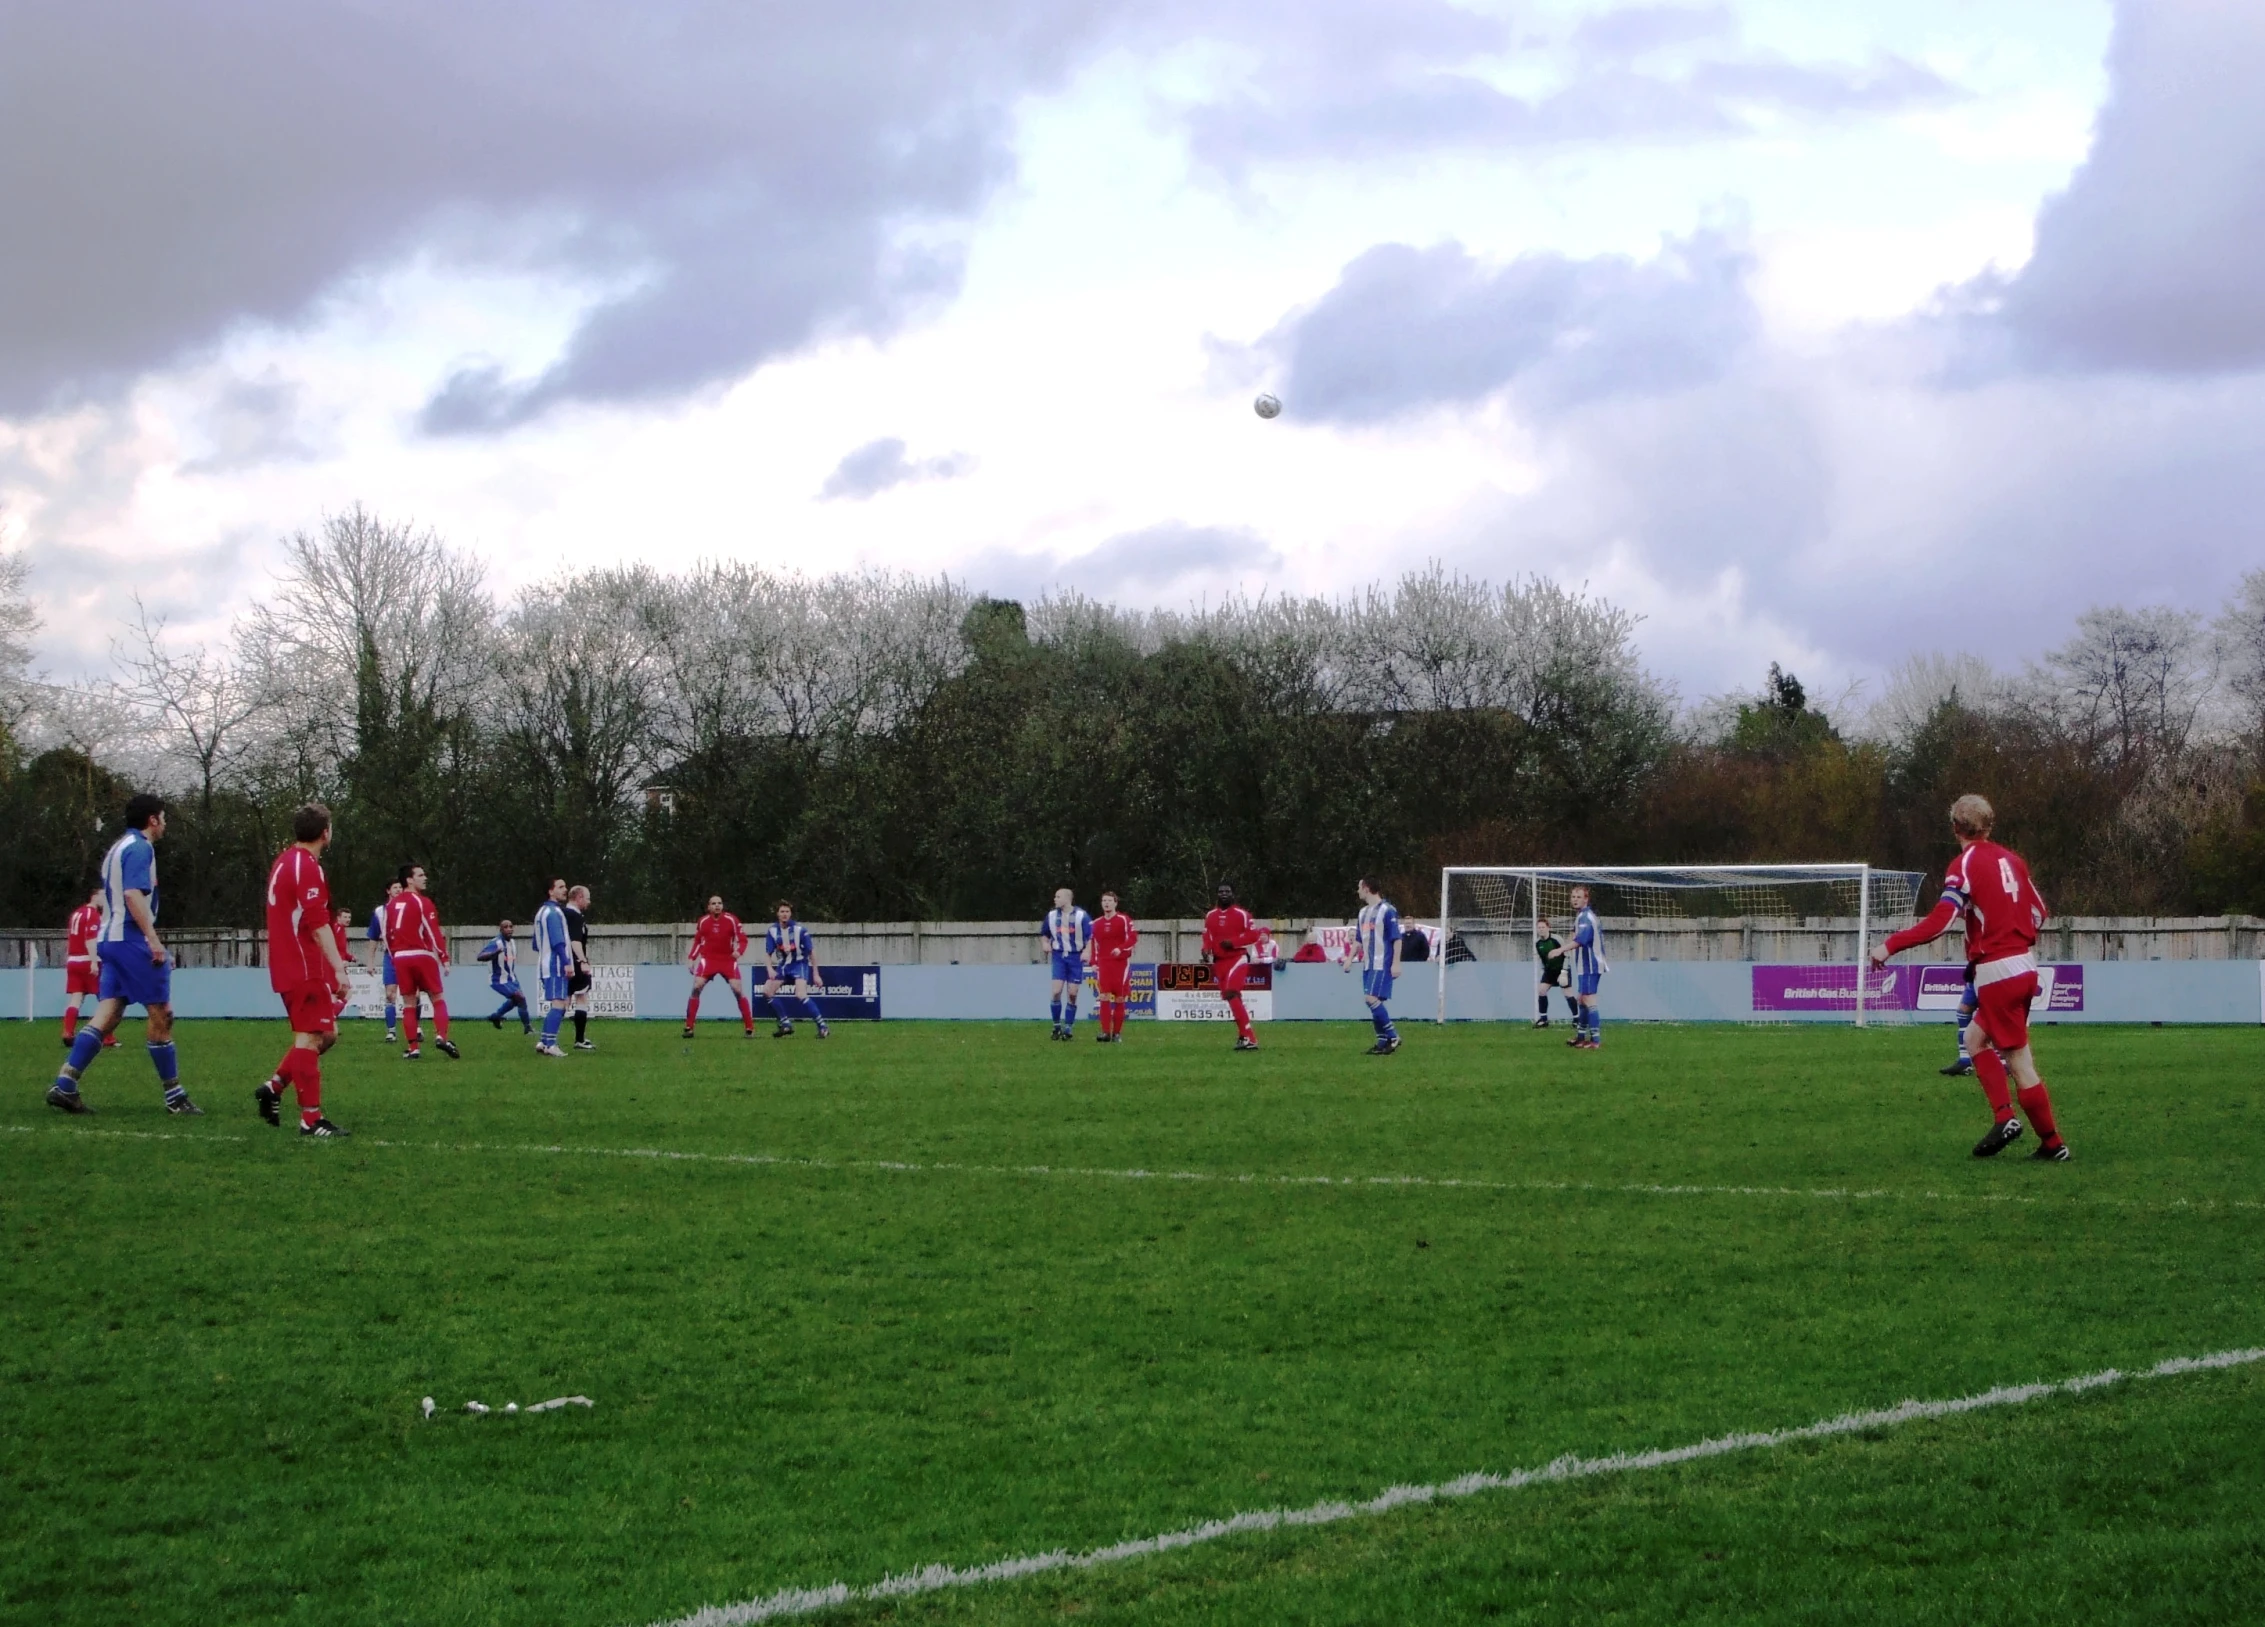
x,y
1811,924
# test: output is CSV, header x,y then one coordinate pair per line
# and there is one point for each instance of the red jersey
x,y
298,913
719,938
1990,886
1113,939
1228,932
412,926
78,944
339,937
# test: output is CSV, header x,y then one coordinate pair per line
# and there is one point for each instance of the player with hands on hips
x,y
1989,885
1114,938
718,942
306,966
1379,936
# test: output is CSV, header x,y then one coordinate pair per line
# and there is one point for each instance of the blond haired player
x,y
1989,885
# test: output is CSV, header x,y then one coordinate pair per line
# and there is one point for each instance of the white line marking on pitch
x,y
892,1166
937,1578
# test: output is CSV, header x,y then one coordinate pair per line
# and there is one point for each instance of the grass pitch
x,y
813,1363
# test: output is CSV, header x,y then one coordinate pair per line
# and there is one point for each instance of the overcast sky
x,y
1821,332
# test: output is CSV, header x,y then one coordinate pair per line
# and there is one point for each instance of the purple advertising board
x,y
1897,988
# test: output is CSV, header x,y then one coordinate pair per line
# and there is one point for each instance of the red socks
x,y
2037,1102
440,1017
1242,1016
409,1023
746,1014
70,1022
692,1009
1112,1015
301,1069
1989,1069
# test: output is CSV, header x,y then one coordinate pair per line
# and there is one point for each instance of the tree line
x,y
886,747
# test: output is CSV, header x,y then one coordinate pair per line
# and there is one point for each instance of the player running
x,y
501,953
137,968
1229,934
376,935
1378,933
788,952
1989,885
1114,937
1589,967
1067,931
578,980
306,966
718,942
554,959
413,938
82,973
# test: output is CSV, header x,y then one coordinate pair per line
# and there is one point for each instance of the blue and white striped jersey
x,y
1067,932
129,867
1588,946
546,941
788,945
503,961
1379,932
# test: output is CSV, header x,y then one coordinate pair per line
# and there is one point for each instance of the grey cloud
x,y
1641,73
1408,328
2149,260
878,465
251,422
756,170
1159,555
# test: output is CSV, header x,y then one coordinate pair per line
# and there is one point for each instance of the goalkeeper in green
x,y
1551,953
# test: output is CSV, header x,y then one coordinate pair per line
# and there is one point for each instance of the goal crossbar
x,y
1761,893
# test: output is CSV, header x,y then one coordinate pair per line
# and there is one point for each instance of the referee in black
x,y
578,976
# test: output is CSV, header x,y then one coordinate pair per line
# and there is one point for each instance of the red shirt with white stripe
x,y
78,946
1990,886
412,926
719,939
298,913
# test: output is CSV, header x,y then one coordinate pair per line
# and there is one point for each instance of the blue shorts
x,y
1588,983
554,988
1377,985
796,971
385,971
129,974
504,991
1068,968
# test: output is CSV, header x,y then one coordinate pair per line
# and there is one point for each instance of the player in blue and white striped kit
x,y
502,955
1589,967
137,968
554,962
793,959
1379,935
1067,933
376,935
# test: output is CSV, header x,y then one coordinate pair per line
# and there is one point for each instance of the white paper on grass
x,y
479,1408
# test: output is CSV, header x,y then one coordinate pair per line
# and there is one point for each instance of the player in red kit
x,y
412,938
342,934
718,940
1114,937
82,973
1990,886
1228,934
307,967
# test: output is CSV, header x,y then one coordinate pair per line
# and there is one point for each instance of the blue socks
x,y
1595,1015
810,1006
513,1003
167,1062
1381,1020
84,1050
551,1019
1069,1012
1056,1008
392,1015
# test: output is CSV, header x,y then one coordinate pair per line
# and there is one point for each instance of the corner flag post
x,y
1443,944
1863,938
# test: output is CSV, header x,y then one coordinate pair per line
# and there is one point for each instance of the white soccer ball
x,y
511,1406
1267,406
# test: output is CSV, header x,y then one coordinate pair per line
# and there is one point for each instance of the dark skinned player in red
x,y
1228,934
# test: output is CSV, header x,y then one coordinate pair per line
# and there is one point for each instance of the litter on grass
x,y
480,1408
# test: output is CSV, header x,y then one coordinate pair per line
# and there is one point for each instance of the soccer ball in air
x,y
1267,406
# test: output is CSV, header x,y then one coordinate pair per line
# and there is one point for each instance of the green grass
x,y
213,1336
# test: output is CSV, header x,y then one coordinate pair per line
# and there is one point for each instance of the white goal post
x,y
1691,911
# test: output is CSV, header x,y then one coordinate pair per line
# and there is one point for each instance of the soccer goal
x,y
1799,915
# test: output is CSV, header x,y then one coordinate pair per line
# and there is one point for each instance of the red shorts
x,y
2002,1008
416,974
1229,976
1114,981
82,977
312,1010
715,968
